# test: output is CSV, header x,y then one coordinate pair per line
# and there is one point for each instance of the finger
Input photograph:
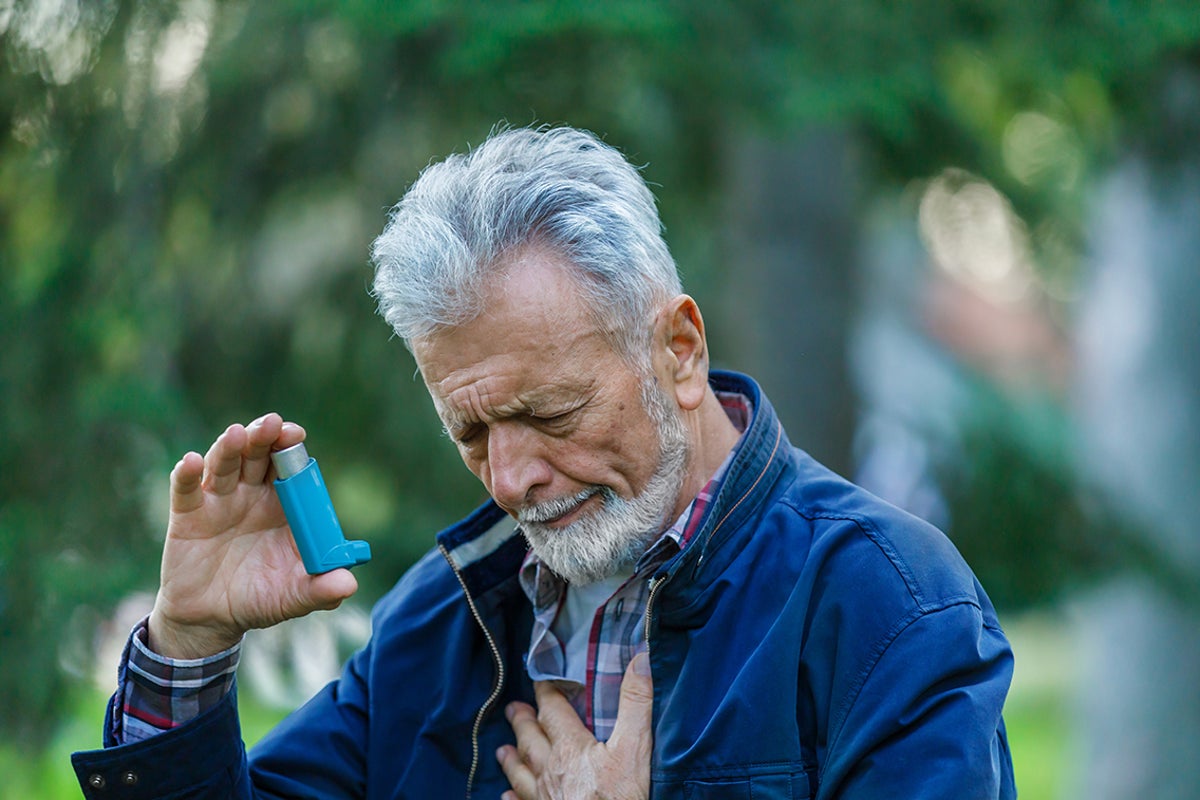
x,y
223,461
328,590
557,717
256,455
632,732
290,434
185,483
520,777
532,743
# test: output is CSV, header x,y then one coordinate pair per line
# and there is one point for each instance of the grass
x,y
1038,733
48,775
1038,712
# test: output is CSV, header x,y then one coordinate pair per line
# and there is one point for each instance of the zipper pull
x,y
655,583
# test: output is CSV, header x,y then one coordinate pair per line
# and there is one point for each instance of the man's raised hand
x,y
229,563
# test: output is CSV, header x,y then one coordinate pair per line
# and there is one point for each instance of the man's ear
x,y
680,331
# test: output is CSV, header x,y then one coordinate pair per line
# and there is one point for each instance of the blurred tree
x,y
188,190
791,232
1138,403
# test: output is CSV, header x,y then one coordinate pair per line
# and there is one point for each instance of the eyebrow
x,y
455,427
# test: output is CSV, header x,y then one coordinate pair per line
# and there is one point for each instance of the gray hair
x,y
560,187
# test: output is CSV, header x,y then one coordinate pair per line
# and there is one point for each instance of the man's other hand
x,y
557,758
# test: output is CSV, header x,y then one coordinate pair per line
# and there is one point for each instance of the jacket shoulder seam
x,y
871,532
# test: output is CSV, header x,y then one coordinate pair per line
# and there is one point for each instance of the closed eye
x,y
466,435
555,421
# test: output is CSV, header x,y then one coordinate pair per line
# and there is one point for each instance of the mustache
x,y
553,509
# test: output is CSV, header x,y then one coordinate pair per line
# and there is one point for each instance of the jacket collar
x,y
760,457
485,549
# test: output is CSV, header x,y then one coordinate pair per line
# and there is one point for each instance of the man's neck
x,y
713,436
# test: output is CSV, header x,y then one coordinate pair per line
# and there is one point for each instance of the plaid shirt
x,y
618,625
617,629
160,693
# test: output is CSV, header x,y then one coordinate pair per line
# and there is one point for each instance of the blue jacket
x,y
812,642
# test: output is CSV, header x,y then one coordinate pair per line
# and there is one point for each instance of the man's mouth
x,y
562,511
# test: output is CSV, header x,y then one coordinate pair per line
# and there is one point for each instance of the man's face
x,y
555,423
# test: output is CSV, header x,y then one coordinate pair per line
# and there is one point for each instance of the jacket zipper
x,y
497,688
655,583
747,493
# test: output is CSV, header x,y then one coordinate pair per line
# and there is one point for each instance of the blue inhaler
x,y
310,514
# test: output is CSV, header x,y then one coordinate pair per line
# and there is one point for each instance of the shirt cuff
x,y
159,693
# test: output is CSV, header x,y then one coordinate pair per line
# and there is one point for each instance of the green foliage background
x,y
188,191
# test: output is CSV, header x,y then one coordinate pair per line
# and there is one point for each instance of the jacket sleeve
x,y
923,719
318,751
201,759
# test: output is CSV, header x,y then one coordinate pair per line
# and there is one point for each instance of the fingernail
x,y
641,664
509,711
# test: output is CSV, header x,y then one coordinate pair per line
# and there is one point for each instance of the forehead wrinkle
x,y
468,403
482,406
479,401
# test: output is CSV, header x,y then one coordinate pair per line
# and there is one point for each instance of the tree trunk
x,y
790,260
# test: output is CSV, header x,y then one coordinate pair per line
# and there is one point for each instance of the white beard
x,y
614,537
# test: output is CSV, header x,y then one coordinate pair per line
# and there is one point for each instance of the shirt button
x,y
96,781
129,778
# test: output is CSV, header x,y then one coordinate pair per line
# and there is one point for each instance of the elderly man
x,y
662,598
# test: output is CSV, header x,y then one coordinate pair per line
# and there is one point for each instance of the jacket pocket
x,y
760,786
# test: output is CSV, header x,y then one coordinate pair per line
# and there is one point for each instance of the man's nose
x,y
516,465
